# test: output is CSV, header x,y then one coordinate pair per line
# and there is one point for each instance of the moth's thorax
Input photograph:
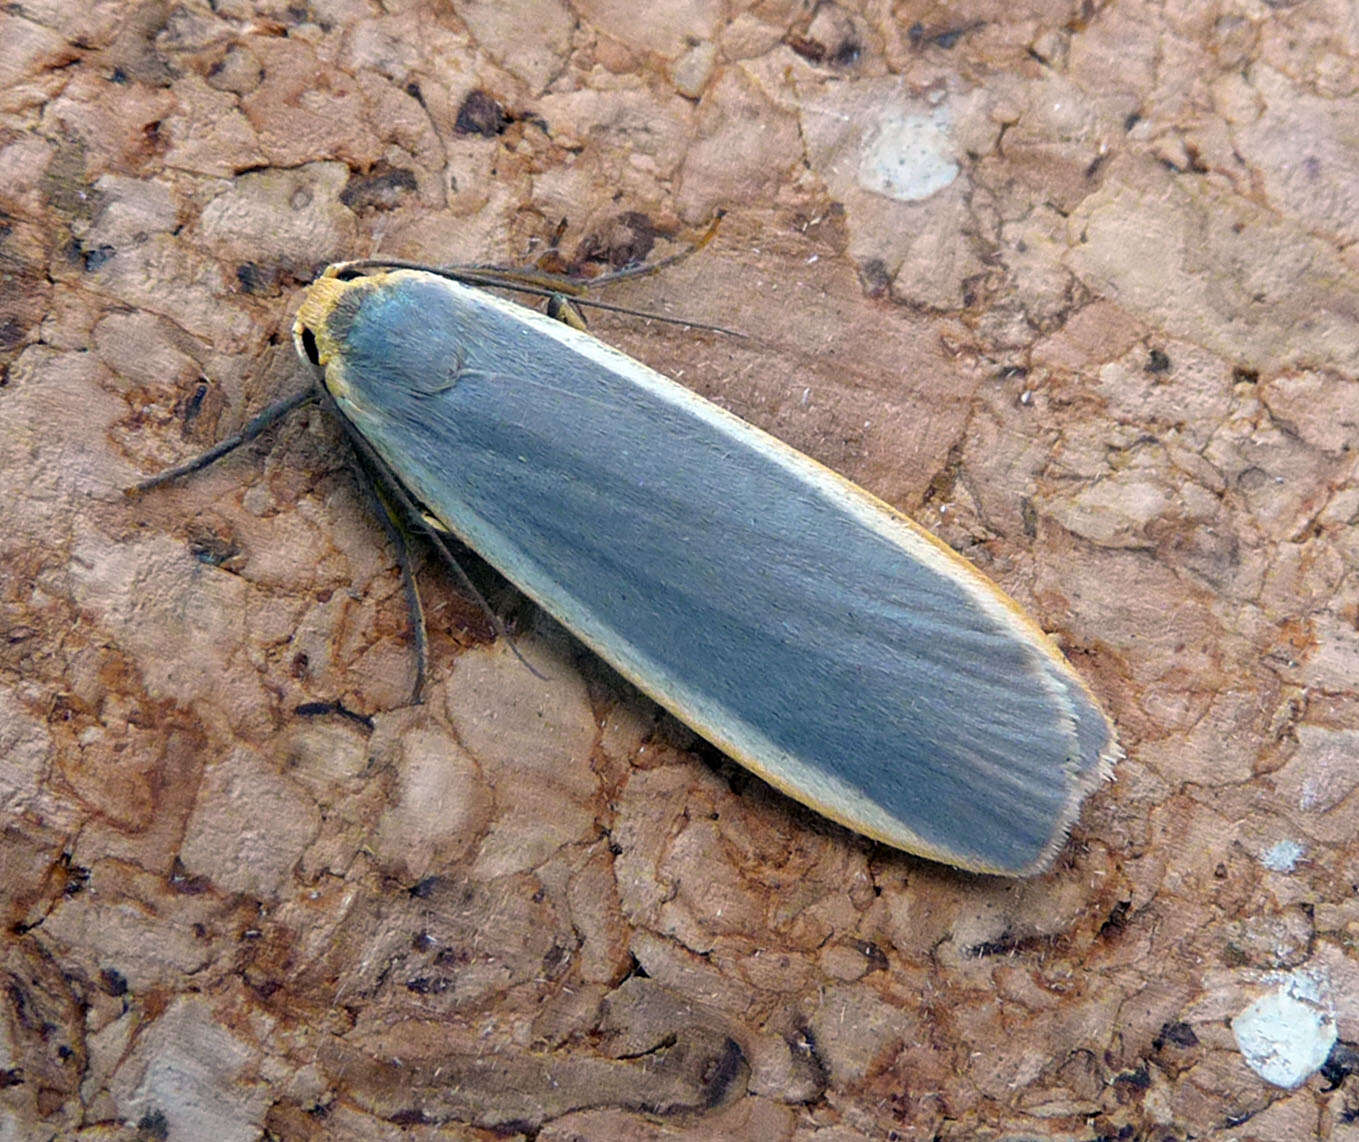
x,y
314,317
322,333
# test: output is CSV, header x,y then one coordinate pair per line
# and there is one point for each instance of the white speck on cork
x,y
1286,1035
1282,856
910,155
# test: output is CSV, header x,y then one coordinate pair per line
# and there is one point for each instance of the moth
x,y
810,631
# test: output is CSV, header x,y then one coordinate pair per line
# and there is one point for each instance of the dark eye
x,y
309,346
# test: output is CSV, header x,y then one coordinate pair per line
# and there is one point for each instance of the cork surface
x,y
1073,285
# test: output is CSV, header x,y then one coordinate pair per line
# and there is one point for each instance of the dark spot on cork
x,y
381,190
480,114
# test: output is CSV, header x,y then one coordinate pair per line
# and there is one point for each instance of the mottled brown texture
x,y
1110,354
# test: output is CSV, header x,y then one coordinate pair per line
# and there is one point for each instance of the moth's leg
x,y
565,293
646,269
411,512
275,412
392,518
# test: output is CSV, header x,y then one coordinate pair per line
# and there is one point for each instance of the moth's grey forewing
x,y
723,583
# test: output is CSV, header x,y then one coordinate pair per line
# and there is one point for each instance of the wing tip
x,y
1084,778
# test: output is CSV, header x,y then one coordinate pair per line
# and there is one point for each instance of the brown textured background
x,y
1112,359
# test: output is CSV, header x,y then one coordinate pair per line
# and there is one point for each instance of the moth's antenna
x,y
257,424
542,283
